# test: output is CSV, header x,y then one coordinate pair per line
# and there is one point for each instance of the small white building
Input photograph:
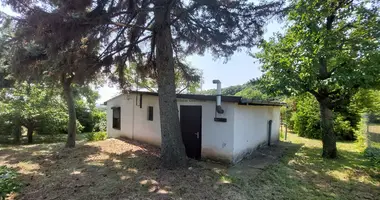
x,y
228,132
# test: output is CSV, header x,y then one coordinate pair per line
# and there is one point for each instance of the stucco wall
x,y
145,130
246,127
126,105
217,137
251,128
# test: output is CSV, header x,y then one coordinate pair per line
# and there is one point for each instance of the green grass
x,y
304,174
132,171
41,139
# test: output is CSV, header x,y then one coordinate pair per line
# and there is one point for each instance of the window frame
x,y
150,112
116,122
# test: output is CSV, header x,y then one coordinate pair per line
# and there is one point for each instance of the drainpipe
x,y
218,96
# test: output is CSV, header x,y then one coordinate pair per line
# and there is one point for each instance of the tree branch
x,y
131,26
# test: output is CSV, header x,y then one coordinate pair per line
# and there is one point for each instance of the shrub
x,y
96,136
373,154
305,120
100,118
8,182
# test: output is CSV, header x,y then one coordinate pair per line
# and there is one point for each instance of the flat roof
x,y
202,97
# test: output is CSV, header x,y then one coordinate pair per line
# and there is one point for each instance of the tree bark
x,y
17,131
173,154
71,128
328,135
30,135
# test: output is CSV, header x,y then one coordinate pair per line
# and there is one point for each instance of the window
x,y
116,117
150,113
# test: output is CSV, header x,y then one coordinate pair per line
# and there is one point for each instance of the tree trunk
x,y
173,152
17,131
71,129
328,135
30,135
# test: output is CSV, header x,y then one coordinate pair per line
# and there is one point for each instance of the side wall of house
x,y
251,128
145,130
134,118
217,137
126,122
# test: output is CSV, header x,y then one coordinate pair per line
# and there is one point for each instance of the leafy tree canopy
x,y
330,50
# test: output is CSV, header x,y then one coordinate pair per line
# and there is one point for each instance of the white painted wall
x,y
217,137
134,120
245,129
126,104
145,130
251,128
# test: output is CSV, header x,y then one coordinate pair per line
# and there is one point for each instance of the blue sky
x,y
238,70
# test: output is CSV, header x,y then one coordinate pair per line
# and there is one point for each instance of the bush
x,y
8,182
373,154
305,120
100,118
96,136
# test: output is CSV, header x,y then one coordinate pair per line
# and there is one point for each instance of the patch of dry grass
x,y
124,169
111,169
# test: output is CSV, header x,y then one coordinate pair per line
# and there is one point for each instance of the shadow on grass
x,y
305,174
38,139
111,169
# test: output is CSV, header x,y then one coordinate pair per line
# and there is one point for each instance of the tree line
x,y
329,50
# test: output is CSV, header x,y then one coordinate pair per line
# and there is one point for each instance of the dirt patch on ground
x,y
259,160
111,169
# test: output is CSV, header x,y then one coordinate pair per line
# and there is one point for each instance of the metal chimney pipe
x,y
218,96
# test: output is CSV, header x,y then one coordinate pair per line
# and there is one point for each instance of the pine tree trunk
x,y
173,154
328,135
30,135
71,129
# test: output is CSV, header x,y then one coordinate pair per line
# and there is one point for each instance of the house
x,y
226,128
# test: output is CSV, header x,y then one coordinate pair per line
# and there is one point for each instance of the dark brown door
x,y
191,127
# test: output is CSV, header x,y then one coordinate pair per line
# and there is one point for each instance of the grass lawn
x,y
119,169
305,175
40,139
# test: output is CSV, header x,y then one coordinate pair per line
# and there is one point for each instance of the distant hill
x,y
249,90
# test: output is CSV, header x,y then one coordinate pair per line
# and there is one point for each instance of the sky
x,y
239,69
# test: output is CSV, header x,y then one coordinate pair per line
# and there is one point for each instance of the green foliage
x,y
312,54
89,116
252,93
100,118
96,136
228,91
249,90
373,154
36,106
8,181
305,120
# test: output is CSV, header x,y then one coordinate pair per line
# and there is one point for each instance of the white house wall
x,y
217,137
251,128
145,130
126,106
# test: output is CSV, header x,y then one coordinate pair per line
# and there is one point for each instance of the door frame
x,y
200,128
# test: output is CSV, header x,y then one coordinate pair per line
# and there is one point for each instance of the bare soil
x,y
112,169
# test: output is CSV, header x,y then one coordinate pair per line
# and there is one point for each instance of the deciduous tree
x,y
330,49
